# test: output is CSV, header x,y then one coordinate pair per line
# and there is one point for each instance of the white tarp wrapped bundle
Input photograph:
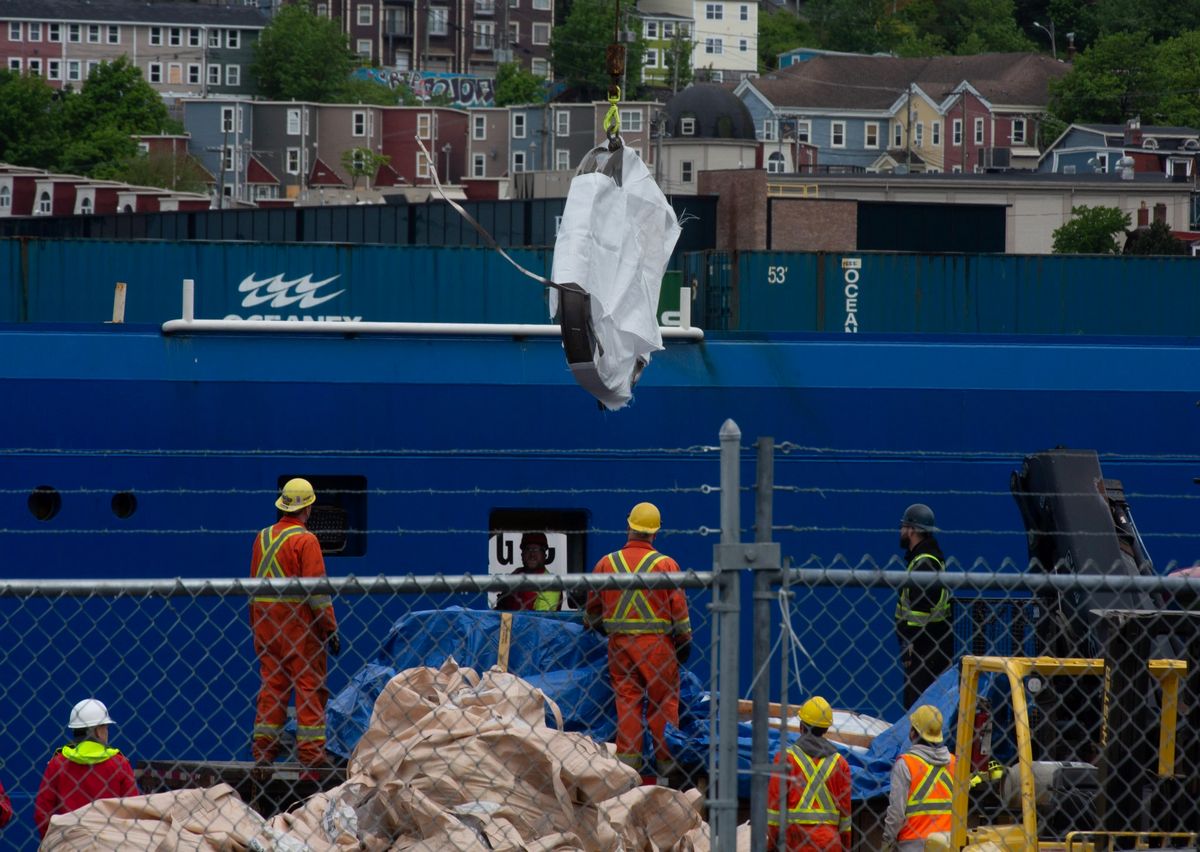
x,y
616,236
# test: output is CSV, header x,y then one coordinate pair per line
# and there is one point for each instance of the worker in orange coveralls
x,y
818,789
649,638
291,633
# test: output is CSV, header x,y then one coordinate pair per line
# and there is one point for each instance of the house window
x,y
769,130
479,165
744,14
293,161
5,198
44,202
651,29
93,64
956,170
438,19
214,38
539,67
562,160
233,39
322,10
227,120
541,5
1102,163
358,123
424,125
114,35
685,171
73,33
717,76
541,33
687,126
54,69
897,135
518,161
193,37
837,134
364,14
175,37
714,45
651,58
193,74
714,12
422,165
775,164
293,122
74,74
233,75
803,131
956,131
85,206
562,123
479,127
14,64
35,32
631,120
743,45
14,30
919,136
871,132
174,73
668,29
35,67
518,125
485,7
93,33
156,36
514,32
485,34
53,32
214,75
1018,131
979,131
935,134
362,47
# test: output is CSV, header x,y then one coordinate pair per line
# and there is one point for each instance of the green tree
x,y
302,57
515,85
779,31
1156,19
30,121
356,90
962,27
178,171
865,26
363,162
577,49
1178,70
1156,239
99,123
1117,77
1091,230
678,60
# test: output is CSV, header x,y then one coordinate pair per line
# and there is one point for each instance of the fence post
x,y
723,803
760,758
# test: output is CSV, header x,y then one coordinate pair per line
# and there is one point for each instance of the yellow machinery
x,y
1023,837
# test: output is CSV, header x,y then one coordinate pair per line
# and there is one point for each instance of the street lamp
x,y
1049,32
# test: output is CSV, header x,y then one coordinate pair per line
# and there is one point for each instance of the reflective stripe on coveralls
x,y
915,617
816,805
634,601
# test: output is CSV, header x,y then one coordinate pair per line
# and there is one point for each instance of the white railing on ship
x,y
189,324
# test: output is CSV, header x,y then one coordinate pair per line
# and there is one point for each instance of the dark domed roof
x,y
718,112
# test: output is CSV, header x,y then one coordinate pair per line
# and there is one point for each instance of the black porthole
x,y
124,504
44,502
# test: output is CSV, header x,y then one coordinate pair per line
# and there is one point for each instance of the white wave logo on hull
x,y
280,292
275,291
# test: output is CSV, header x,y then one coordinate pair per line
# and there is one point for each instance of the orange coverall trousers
x,y
643,668
292,658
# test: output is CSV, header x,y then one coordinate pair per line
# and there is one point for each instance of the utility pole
x,y
659,118
908,130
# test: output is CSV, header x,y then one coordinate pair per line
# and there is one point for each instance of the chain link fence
x,y
1062,664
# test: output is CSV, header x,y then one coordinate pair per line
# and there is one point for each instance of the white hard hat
x,y
89,713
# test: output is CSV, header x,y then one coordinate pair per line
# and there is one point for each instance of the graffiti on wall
x,y
463,90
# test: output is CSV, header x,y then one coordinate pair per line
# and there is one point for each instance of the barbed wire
x,y
695,449
966,492
398,531
967,531
453,492
787,447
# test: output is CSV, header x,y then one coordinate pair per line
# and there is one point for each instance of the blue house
x,y
1096,148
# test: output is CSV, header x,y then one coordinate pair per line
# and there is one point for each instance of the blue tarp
x,y
551,651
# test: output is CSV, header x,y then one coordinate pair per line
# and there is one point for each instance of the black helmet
x,y
919,517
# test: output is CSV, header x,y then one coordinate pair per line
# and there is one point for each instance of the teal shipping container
x,y
946,293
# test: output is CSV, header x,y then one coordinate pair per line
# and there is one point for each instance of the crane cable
x,y
614,58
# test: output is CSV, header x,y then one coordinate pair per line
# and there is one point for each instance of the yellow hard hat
x,y
645,518
816,713
296,494
927,721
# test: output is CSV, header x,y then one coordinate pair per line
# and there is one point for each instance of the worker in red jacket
x,y
84,771
649,638
818,789
291,633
